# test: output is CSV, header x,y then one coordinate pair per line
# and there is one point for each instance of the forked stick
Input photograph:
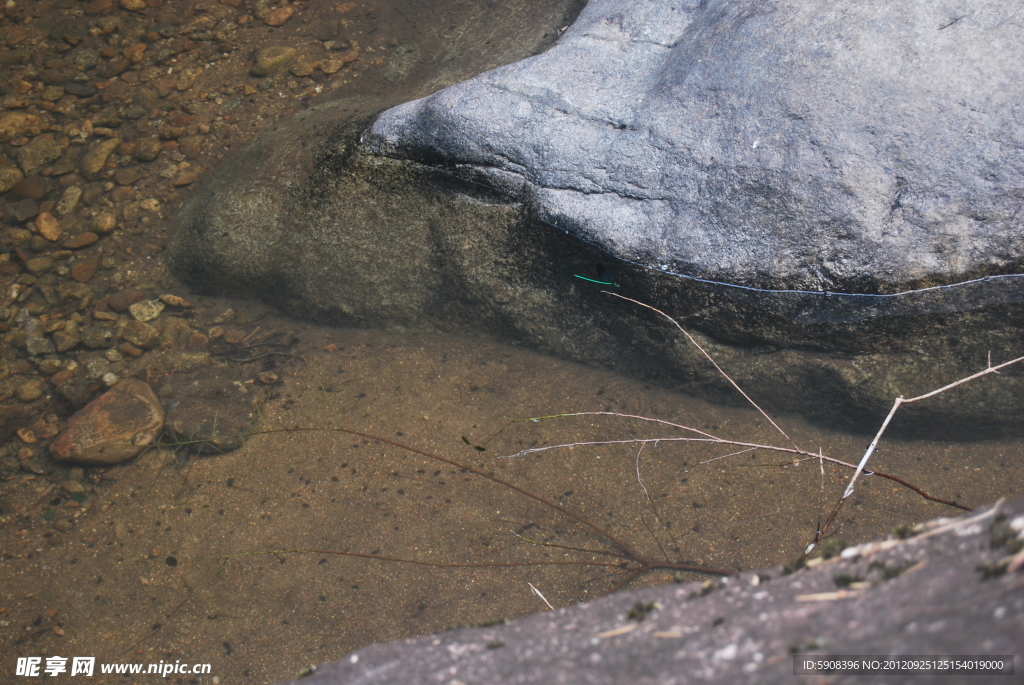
x,y
885,424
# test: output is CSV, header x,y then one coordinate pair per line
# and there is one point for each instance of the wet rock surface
x,y
413,221
112,428
757,143
943,590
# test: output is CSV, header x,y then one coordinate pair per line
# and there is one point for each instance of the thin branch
x,y
710,359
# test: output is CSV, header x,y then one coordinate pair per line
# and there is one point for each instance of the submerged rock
x,y
112,428
749,143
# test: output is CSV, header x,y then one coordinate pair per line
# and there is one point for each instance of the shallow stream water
x,y
296,549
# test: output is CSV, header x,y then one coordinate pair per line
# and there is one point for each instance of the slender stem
x,y
710,359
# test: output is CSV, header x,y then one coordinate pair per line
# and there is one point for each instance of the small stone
x,y
48,226
71,486
98,7
42,150
146,310
147,149
113,356
266,377
22,210
133,5
81,240
69,200
100,335
84,270
29,437
279,16
112,428
95,367
128,176
330,66
32,188
93,160
140,334
37,266
109,379
30,391
18,124
301,69
175,301
349,57
130,350
270,59
10,175
197,339
122,300
37,345
135,53
186,178
66,339
225,316
103,223
234,336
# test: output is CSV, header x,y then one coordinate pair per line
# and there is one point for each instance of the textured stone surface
x,y
112,428
919,596
761,142
394,221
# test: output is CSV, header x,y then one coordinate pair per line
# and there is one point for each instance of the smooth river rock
x,y
864,148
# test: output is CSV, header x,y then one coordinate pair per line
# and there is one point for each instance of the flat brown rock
x,y
112,428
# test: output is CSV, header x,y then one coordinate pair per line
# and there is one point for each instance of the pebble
x,y
140,334
109,379
30,391
112,428
10,175
18,124
330,66
85,269
133,5
37,266
175,301
270,59
128,176
68,200
33,188
279,16
103,223
147,149
81,240
301,69
146,311
42,150
186,178
48,226
23,210
72,486
94,159
66,339
121,301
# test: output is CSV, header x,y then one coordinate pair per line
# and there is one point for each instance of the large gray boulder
x,y
864,147
857,146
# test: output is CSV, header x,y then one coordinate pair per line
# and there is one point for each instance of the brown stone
x,y
147,149
186,178
121,301
39,265
279,16
103,223
98,6
133,5
81,240
128,175
94,159
112,428
48,226
301,69
140,334
18,124
135,53
84,270
33,188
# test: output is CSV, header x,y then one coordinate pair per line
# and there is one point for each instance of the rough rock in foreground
x,y
945,591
